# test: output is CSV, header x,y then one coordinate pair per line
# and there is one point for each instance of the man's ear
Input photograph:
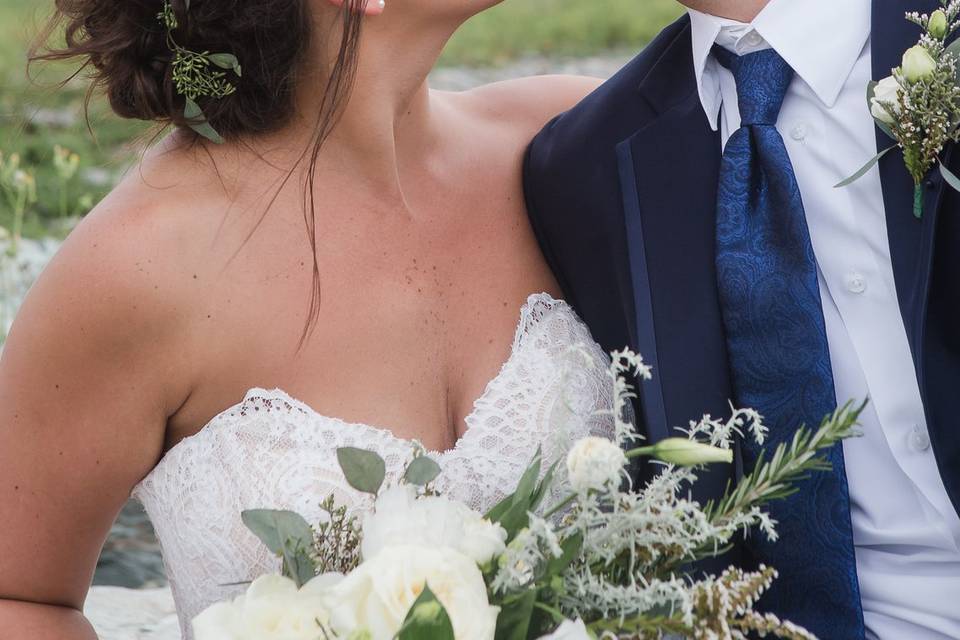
x,y
369,7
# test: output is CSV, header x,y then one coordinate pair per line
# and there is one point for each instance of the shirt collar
x,y
821,40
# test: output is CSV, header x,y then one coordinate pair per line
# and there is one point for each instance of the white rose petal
x,y
377,596
918,64
569,630
887,92
271,609
400,518
595,463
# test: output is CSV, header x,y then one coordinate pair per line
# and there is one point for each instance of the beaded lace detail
x,y
272,451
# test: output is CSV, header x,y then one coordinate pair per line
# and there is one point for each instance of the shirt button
x,y
919,440
799,132
856,283
754,39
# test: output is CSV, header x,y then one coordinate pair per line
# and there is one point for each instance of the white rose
x,y
918,64
271,609
377,596
400,518
569,630
595,463
886,92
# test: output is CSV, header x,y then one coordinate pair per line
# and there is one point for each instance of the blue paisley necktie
x,y
778,349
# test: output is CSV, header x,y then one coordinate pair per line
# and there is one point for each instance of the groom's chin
x,y
742,10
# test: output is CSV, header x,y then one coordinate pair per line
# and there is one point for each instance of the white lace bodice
x,y
271,451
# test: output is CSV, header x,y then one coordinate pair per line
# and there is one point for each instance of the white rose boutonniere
x,y
918,105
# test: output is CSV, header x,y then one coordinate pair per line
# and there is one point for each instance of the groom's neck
x,y
741,10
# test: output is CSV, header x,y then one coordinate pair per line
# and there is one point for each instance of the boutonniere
x,y
918,105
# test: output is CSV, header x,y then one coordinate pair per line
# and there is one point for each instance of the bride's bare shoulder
x,y
527,103
127,271
146,225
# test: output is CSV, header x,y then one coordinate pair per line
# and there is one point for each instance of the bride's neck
x,y
389,112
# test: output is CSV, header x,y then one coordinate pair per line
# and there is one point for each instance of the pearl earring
x,y
382,4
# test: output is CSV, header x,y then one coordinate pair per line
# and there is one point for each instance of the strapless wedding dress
x,y
271,451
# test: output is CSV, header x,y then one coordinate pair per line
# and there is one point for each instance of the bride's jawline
x,y
255,392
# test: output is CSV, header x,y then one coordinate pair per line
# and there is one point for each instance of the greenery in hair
x,y
198,75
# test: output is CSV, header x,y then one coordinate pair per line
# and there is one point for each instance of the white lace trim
x,y
273,451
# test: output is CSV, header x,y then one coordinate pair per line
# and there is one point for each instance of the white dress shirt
x,y
906,532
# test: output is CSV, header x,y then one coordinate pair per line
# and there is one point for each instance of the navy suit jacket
x,y
621,193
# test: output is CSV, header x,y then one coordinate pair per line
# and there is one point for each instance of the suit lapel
x,y
668,173
911,240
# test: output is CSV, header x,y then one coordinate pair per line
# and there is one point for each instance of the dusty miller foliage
x,y
628,579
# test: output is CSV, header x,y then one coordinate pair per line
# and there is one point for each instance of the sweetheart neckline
x,y
258,392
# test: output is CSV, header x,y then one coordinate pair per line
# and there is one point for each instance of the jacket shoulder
x,y
608,115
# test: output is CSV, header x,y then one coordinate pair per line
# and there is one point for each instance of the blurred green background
x,y
43,194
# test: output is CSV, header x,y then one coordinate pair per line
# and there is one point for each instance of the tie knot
x,y
762,80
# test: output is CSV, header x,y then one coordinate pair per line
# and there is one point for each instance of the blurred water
x,y
131,557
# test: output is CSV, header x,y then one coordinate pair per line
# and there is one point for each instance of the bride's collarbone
x,y
412,362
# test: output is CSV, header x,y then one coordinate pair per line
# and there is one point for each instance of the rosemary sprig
x,y
774,480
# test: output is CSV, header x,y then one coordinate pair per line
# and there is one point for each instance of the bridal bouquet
x,y
603,559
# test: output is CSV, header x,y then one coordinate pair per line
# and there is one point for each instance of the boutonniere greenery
x,y
918,105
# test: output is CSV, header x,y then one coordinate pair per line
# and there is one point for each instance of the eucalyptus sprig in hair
x,y
198,75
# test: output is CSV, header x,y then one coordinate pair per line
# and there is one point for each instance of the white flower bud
x,y
689,453
918,64
595,463
938,25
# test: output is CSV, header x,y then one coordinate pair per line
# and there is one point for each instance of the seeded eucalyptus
x,y
198,75
918,105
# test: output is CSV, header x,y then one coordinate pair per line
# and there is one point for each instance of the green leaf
x,y
529,477
544,487
365,470
298,565
422,471
275,528
193,114
226,61
515,614
883,126
426,620
287,535
513,514
571,549
950,178
499,510
528,481
863,171
954,48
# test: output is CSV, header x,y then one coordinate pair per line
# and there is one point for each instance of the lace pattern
x,y
272,451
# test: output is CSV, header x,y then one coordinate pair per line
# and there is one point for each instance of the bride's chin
x,y
461,9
